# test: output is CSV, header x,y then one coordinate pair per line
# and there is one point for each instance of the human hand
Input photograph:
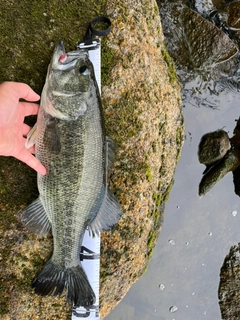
x,y
12,128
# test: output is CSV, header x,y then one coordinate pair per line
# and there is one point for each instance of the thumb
x,y
21,90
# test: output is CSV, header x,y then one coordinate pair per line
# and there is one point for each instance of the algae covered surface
x,y
142,107
30,29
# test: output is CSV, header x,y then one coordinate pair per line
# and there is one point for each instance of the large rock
x,y
141,97
228,291
193,41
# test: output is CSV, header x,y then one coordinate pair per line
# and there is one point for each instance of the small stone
x,y
213,146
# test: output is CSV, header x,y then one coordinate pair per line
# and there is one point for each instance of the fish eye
x,y
83,70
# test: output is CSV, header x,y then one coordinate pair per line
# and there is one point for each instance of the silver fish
x,y
72,145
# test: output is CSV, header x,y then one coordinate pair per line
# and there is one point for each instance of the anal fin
x,y
36,219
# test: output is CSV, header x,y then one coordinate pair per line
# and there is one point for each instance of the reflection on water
x,y
183,277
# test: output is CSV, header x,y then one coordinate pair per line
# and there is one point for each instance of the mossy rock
x,y
142,105
228,290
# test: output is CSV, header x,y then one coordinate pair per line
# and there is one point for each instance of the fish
x,y
70,141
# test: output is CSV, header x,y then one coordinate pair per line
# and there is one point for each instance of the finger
x,y
25,156
21,90
32,149
29,109
26,129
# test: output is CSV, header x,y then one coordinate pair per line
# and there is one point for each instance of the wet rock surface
x,y
213,147
233,19
227,16
228,291
193,41
209,56
142,107
214,152
228,163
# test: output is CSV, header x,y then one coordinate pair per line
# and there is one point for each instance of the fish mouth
x,y
58,52
60,46
63,94
62,60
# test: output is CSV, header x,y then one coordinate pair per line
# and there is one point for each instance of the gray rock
x,y
228,291
214,152
213,146
229,162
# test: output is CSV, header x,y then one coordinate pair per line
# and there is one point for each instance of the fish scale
x,y
73,195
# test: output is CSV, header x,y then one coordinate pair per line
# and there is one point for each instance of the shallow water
x,y
197,231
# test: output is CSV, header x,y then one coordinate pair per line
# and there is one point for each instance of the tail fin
x,y
52,280
79,290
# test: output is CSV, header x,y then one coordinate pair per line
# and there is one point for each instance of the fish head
x,y
68,83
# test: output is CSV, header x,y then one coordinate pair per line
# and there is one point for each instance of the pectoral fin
x,y
31,137
51,136
36,219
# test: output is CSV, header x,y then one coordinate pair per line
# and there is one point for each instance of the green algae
x,y
108,61
149,174
17,188
172,74
151,237
30,29
4,298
